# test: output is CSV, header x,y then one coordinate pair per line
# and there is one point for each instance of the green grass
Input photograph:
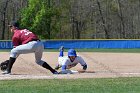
x,y
98,85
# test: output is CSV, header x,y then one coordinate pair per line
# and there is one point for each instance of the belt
x,y
35,40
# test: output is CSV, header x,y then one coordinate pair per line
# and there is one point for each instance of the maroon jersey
x,y
22,37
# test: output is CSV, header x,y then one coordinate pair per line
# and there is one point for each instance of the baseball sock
x,y
61,54
47,66
11,62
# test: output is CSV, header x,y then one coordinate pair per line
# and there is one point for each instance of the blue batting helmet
x,y
72,52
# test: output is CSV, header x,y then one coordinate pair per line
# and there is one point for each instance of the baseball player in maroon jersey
x,y
25,41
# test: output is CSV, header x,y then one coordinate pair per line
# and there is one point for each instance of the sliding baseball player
x,y
67,62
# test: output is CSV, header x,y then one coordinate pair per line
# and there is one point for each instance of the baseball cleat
x,y
56,72
6,72
61,48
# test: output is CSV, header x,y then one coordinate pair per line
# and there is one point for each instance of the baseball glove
x,y
3,65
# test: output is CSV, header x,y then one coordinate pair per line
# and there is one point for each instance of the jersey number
x,y
27,32
72,65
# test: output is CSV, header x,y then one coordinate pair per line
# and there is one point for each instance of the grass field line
x,y
11,77
131,73
68,76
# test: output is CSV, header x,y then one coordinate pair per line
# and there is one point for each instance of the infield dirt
x,y
105,65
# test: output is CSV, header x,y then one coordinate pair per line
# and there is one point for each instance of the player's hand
x,y
81,71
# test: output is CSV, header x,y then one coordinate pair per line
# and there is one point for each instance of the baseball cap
x,y
14,23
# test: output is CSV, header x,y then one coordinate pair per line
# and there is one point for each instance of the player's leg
x,y
12,60
9,67
61,54
15,52
61,51
38,56
22,49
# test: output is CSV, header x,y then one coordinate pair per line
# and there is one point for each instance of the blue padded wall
x,y
92,43
55,44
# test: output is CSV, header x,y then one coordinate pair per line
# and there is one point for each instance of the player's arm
x,y
84,66
15,42
64,64
83,63
63,67
64,70
84,69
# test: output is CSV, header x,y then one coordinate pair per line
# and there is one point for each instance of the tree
x,y
73,19
41,17
9,10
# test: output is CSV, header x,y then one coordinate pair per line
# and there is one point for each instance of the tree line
x,y
73,19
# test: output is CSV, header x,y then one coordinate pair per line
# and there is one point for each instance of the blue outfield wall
x,y
55,44
92,43
5,44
